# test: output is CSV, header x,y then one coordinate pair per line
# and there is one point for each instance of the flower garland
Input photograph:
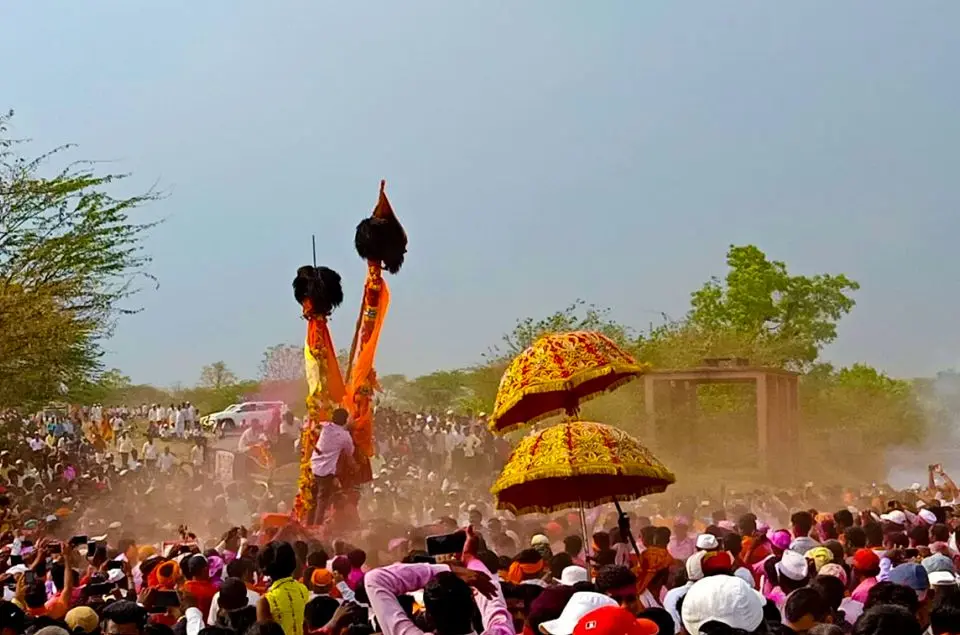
x,y
320,404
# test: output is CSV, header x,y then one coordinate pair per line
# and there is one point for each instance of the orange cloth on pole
x,y
362,383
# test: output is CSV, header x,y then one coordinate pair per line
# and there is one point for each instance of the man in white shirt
x,y
167,461
179,421
470,446
124,447
333,445
197,456
149,454
117,424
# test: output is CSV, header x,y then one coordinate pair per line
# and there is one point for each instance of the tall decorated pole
x,y
319,292
380,240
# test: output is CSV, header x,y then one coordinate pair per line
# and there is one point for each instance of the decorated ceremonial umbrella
x,y
578,464
558,373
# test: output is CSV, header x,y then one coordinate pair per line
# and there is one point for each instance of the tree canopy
x,y
71,256
790,317
216,376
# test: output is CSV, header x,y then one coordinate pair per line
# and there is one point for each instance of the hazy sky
x,y
537,152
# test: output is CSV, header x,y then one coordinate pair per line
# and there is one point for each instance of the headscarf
x,y
167,575
781,539
653,560
215,566
821,557
835,570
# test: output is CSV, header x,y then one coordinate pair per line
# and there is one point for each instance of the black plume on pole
x,y
380,238
321,286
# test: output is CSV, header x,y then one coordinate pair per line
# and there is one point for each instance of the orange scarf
x,y
653,560
518,572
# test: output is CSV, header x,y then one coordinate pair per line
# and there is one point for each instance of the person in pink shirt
x,y
682,545
779,542
356,558
449,594
866,568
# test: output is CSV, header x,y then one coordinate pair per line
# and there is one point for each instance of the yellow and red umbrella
x,y
558,373
577,464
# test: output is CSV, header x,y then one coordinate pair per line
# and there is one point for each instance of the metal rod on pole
x,y
313,239
583,530
633,542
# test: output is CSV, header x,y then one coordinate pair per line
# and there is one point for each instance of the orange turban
x,y
519,571
168,574
321,577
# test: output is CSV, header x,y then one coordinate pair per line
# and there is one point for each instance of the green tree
x,y
759,303
578,316
217,376
862,401
70,258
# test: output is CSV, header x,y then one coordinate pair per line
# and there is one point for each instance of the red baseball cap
x,y
866,560
613,620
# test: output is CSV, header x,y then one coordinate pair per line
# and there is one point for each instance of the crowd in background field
x,y
166,545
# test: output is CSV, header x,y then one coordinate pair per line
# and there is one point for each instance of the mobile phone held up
x,y
446,544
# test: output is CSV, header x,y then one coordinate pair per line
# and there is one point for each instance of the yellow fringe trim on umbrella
x,y
632,372
594,502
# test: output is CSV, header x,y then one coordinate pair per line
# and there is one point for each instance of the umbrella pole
x,y
633,542
583,530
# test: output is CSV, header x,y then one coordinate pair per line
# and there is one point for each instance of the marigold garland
x,y
320,404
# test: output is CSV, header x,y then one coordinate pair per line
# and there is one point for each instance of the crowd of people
x,y
109,537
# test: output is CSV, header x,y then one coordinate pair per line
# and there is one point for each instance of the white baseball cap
x,y
722,598
941,578
896,517
579,605
707,542
793,565
573,574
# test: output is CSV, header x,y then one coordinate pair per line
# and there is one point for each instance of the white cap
x,y
695,566
573,574
896,517
793,565
707,542
17,568
928,516
722,598
579,605
539,539
939,578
